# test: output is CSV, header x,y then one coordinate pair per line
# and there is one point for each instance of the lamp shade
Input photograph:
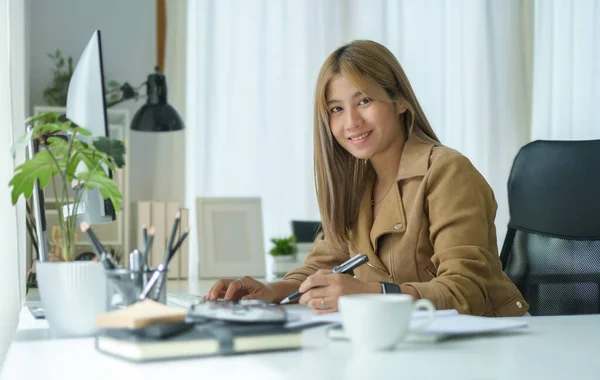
x,y
156,115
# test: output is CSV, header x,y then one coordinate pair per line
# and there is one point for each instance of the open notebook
x,y
305,317
447,325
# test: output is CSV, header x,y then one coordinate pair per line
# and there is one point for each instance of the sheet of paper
x,y
300,317
468,324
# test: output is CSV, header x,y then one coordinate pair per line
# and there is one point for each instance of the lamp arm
x,y
128,92
111,104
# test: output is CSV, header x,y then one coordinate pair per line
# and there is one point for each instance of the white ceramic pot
x,y
283,264
72,294
284,259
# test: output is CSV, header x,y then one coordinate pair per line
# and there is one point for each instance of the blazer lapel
x,y
391,218
361,234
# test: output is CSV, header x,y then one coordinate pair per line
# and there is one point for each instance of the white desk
x,y
551,348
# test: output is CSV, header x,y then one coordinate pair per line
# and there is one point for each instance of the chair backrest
x,y
306,231
552,247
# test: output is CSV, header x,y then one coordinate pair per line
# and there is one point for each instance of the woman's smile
x,y
360,139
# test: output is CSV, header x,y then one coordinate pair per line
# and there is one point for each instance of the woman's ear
x,y
401,107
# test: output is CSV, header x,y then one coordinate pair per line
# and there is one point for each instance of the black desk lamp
x,y
156,115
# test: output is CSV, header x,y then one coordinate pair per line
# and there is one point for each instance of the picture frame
x,y
230,237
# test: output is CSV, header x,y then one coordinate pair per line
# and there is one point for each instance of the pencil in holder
x,y
124,287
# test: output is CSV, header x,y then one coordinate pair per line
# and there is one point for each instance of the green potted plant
x,y
69,162
284,249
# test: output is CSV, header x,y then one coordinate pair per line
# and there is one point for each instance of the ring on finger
x,y
323,303
241,282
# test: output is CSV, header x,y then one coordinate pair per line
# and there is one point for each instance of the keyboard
x,y
250,311
184,300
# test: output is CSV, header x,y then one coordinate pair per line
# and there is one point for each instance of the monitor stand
x,y
34,304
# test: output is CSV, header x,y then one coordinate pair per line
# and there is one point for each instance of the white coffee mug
x,y
380,321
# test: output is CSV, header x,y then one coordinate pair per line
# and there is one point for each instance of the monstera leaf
x,y
91,157
113,148
108,188
41,166
50,126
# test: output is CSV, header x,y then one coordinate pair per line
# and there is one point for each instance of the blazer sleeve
x,y
461,209
322,256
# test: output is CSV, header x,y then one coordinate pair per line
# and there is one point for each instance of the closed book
x,y
159,220
141,215
184,255
204,339
172,209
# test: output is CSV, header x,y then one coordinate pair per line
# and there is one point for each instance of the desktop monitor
x,y
86,106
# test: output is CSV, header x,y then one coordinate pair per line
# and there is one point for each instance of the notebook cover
x,y
205,339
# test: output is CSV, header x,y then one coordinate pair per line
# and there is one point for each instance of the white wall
x,y
129,51
12,104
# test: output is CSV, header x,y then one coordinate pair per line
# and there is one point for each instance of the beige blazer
x,y
434,236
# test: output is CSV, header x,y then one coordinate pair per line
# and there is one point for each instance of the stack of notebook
x,y
150,331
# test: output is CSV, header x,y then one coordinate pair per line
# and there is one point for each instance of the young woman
x,y
389,189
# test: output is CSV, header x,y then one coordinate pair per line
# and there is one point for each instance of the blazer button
x,y
398,226
519,305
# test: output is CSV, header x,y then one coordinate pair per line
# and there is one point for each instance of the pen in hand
x,y
346,267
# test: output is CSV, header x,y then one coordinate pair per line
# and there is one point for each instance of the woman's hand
x,y
322,289
245,288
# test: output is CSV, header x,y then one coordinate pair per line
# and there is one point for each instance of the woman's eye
x,y
335,109
364,101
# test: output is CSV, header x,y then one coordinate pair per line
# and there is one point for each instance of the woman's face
x,y
363,126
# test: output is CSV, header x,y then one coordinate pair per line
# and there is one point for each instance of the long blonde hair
x,y
340,177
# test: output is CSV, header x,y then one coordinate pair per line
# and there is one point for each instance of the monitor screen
x,y
86,102
86,106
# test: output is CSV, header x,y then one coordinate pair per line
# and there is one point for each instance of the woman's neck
x,y
386,163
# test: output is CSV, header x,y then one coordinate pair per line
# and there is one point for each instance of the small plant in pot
x,y
70,163
284,249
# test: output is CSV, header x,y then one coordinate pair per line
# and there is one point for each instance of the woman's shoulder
x,y
442,154
451,174
450,162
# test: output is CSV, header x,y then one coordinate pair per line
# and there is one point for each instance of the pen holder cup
x,y
124,287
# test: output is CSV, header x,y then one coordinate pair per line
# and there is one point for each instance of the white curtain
x,y
566,85
12,106
252,68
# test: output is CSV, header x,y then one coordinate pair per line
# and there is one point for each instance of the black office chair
x,y
552,247
306,231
